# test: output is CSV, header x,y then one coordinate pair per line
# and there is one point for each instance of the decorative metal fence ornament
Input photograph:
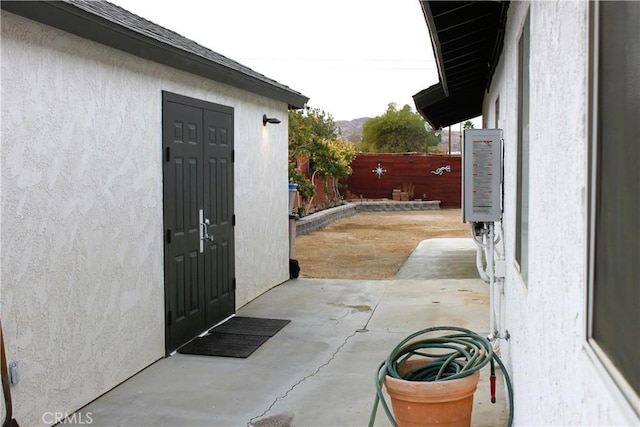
x,y
441,170
379,170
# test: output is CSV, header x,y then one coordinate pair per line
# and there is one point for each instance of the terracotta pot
x,y
436,403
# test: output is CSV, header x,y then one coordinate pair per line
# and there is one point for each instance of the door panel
x,y
183,193
198,175
218,199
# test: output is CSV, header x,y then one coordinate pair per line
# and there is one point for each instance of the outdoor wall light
x,y
271,120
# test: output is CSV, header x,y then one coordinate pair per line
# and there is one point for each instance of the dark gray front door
x,y
197,142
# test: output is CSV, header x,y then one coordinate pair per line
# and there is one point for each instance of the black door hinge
x,y
233,283
169,317
168,154
233,220
168,237
233,156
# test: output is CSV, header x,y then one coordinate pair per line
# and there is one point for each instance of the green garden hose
x,y
456,353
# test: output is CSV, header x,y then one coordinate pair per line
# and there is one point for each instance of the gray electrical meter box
x,y
482,175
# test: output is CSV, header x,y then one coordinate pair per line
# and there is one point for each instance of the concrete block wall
x,y
323,218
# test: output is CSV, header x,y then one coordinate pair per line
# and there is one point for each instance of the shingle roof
x,y
114,26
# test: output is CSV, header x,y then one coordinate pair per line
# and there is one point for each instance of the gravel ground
x,y
373,245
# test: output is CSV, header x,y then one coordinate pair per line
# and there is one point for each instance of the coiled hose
x,y
455,355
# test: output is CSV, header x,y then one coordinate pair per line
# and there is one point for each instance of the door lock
x,y
204,231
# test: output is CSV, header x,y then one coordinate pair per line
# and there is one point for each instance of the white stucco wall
x,y
555,379
82,294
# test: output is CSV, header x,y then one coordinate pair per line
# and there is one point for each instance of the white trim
x,y
592,128
525,24
615,380
621,391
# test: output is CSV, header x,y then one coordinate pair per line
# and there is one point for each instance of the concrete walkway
x,y
441,259
318,370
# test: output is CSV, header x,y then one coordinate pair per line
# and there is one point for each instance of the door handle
x,y
204,231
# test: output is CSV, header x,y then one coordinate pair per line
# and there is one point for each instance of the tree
x,y
314,136
468,124
306,128
397,131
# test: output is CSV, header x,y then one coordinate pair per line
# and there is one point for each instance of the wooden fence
x,y
430,176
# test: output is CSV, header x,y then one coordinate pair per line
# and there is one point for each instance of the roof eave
x,y
441,111
69,18
427,97
455,99
435,45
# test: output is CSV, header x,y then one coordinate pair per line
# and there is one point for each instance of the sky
x,y
350,57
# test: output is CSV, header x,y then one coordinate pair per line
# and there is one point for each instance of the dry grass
x,y
373,245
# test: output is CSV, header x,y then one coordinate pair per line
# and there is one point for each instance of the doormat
x,y
237,337
251,326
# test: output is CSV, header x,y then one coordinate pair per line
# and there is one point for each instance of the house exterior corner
x,y
83,286
558,379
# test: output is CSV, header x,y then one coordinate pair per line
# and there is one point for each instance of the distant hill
x,y
351,129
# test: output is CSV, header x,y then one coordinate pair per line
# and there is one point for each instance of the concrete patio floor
x,y
318,370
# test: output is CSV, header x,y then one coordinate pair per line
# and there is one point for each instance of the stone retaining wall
x,y
325,217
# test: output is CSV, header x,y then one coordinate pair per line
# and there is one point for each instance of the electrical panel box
x,y
482,175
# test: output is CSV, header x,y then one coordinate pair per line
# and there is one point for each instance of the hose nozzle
x,y
492,380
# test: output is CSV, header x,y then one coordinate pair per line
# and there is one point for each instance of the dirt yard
x,y
373,245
